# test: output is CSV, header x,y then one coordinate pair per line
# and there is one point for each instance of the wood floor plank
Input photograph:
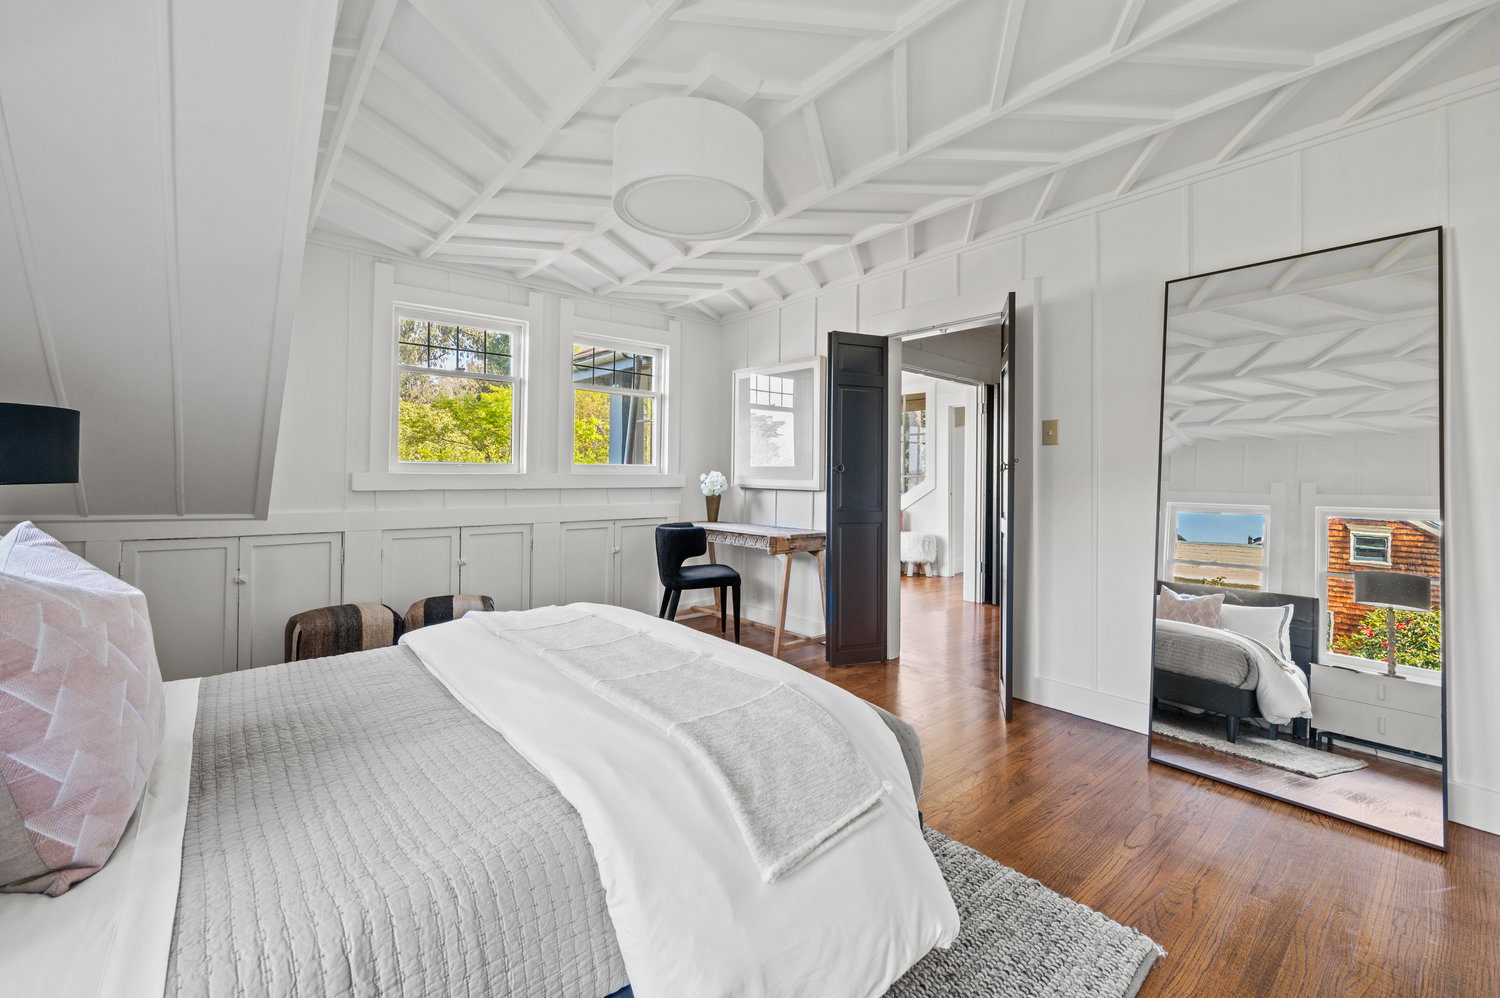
x,y
1249,896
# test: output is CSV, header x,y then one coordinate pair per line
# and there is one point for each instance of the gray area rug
x,y
1018,939
1282,753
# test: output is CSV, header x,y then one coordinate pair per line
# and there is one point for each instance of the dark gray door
x,y
858,497
998,496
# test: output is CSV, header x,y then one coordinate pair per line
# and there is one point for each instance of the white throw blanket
x,y
692,912
786,769
1280,687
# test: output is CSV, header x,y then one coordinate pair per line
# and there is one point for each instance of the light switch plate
x,y
1049,432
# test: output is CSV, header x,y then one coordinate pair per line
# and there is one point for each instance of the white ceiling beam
x,y
1049,192
1005,55
390,179
971,227
345,48
909,242
574,244
501,247
1125,24
384,211
420,150
1260,120
900,99
924,188
615,240
1133,174
1222,57
619,50
1178,21
740,299
571,28
1094,114
542,224
595,264
589,124
497,71
813,278
377,23
1434,48
971,154
576,166
793,238
919,16
785,17
440,105
818,140
857,215
748,270
857,260
569,199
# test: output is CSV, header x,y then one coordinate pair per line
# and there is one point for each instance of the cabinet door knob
x,y
838,469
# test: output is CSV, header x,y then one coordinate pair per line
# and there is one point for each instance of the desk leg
x,y
786,580
718,603
822,586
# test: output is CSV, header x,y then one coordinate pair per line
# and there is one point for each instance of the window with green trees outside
x,y
458,389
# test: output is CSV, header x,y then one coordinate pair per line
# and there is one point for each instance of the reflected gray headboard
x,y
1304,633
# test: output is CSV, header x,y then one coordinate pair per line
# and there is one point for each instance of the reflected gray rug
x,y
1018,939
1282,753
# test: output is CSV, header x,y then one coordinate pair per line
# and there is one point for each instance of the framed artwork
x,y
778,426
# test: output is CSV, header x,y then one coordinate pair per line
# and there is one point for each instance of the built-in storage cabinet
x,y
609,561
222,603
192,599
483,561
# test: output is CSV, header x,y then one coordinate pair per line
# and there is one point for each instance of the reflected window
x,y
914,441
1382,541
1219,547
773,427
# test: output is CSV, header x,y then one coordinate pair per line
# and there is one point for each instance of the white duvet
x,y
692,914
1280,687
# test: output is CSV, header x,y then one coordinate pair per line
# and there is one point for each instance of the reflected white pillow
x,y
1270,625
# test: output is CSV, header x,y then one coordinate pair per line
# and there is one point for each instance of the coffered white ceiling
x,y
480,133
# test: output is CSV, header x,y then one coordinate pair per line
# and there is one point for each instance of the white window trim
x,y
1326,655
1377,532
388,298
1166,559
664,344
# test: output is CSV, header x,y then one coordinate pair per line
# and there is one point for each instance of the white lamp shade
x,y
689,168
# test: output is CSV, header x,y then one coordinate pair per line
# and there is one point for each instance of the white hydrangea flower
x,y
713,483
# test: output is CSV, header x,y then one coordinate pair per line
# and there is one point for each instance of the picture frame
x,y
779,436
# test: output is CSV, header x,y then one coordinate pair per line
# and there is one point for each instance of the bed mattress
x,y
1205,656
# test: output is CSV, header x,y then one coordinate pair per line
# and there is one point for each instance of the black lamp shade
x,y
38,444
1398,589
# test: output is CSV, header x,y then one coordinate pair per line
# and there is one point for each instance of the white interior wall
x,y
932,512
1087,557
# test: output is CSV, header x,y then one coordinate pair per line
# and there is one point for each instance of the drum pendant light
x,y
689,168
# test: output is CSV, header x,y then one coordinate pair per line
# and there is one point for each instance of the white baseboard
x,y
1477,807
1092,704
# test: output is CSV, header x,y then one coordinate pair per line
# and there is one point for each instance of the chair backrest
x,y
675,544
339,630
441,609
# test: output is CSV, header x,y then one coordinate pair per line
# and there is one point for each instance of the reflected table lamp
x,y
1394,591
38,444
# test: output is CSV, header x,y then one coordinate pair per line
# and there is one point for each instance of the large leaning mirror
x,y
1298,640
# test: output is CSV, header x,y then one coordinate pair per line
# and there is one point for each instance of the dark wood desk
x,y
782,542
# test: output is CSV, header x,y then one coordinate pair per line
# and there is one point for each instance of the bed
x,y
1206,672
398,822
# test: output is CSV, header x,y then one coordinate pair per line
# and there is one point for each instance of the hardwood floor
x,y
1247,895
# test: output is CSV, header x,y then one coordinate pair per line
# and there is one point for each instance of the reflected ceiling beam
x,y
572,101
786,17
1322,283
1125,24
1291,273
1398,251
371,39
1272,333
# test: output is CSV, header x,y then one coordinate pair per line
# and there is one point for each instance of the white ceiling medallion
x,y
689,168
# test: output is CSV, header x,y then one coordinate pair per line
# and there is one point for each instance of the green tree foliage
x,y
590,427
459,420
1419,638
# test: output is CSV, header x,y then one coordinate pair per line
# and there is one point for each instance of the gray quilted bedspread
x,y
353,830
1202,656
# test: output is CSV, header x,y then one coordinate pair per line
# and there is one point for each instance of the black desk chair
x,y
676,543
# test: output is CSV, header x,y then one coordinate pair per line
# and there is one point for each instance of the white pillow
x,y
1270,625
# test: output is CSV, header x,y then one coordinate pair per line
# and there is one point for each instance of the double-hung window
x,y
617,403
914,441
458,388
1217,545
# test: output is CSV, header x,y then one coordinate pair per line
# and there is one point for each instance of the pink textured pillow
x,y
1201,610
81,712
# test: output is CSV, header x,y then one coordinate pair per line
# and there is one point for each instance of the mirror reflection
x,y
1298,643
